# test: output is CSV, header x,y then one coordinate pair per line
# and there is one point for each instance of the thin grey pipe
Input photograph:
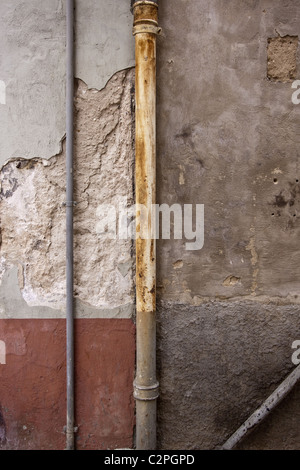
x,y
70,441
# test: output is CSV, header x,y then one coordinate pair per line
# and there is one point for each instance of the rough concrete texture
x,y
228,138
217,363
32,66
282,58
33,384
33,213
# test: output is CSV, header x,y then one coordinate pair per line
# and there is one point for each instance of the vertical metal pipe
x,y
145,29
70,441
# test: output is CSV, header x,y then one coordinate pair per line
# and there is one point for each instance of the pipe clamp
x,y
144,2
69,203
146,28
146,393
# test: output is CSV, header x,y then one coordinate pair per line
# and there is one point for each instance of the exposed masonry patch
x,y
32,197
231,281
178,264
282,58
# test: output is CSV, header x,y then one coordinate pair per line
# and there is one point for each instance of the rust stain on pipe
x,y
145,29
145,153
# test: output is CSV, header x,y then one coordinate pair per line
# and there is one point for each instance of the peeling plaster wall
x,y
32,224
33,214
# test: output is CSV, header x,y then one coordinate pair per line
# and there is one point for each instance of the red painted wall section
x,y
33,383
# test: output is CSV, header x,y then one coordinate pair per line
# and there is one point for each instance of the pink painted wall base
x,y
33,384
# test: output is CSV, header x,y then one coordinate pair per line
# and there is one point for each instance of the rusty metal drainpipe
x,y
145,29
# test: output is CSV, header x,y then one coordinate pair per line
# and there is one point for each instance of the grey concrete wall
x,y
32,59
228,138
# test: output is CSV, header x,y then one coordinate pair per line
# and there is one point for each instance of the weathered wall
x,y
33,213
228,138
32,197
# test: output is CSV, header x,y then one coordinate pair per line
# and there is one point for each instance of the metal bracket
x,y
69,203
146,28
